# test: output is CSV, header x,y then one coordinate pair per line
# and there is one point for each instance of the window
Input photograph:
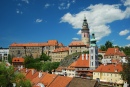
x,y
92,57
92,63
115,75
91,51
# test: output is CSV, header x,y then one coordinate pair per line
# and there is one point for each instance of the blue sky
x,y
24,21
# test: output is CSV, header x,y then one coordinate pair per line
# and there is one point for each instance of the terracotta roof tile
x,y
60,68
81,62
61,49
114,51
37,79
100,51
60,81
16,59
109,68
77,43
48,43
47,79
60,44
32,74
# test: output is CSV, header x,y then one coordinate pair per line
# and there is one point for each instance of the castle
x,y
57,51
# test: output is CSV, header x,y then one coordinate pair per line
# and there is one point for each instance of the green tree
x,y
9,76
44,57
48,66
126,71
9,59
22,81
108,44
103,47
100,56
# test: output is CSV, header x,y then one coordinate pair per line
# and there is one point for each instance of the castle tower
x,y
93,51
85,32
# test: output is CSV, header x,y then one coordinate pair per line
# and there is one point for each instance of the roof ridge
x,y
53,80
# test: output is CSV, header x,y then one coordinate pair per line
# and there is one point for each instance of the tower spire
x,y
85,32
85,24
93,40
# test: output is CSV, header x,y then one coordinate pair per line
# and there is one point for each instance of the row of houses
x,y
44,79
80,71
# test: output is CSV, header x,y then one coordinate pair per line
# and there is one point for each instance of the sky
x,y
35,21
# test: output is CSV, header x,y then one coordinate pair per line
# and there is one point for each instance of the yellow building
x,y
59,54
108,73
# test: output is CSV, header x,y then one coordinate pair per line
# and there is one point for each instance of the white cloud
x,y
124,32
38,20
19,4
73,1
75,38
26,1
47,5
19,12
98,17
126,2
128,38
64,6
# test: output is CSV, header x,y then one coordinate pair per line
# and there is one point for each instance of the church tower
x,y
85,32
93,51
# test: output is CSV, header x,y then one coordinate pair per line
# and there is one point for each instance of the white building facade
x,y
4,54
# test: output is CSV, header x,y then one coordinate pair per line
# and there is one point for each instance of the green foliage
x,y
108,44
30,62
22,81
44,57
126,71
126,50
48,66
9,59
38,65
86,52
9,76
103,48
100,56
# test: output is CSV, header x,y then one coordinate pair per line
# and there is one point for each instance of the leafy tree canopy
x,y
9,76
126,71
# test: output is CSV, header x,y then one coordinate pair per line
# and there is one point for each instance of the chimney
x,y
115,50
86,56
115,70
40,74
32,71
82,56
26,70
21,66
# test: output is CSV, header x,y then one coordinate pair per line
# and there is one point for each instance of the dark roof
x,y
82,82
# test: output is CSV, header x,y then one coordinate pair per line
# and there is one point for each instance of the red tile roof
x,y
60,44
37,79
61,49
60,68
48,78
109,68
114,51
16,59
30,75
49,43
60,81
81,62
77,43
115,61
100,51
